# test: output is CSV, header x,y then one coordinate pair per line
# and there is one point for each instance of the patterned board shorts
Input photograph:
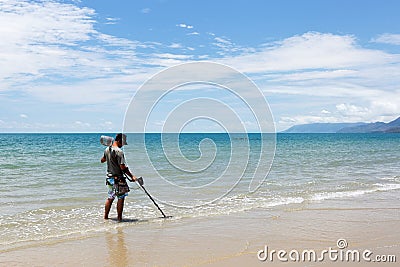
x,y
112,194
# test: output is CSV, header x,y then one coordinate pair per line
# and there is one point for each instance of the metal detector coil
x,y
106,140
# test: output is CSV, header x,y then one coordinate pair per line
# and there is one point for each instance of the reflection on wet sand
x,y
117,249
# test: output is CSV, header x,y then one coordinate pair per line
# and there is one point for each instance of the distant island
x,y
359,127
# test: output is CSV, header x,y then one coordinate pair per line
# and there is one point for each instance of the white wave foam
x,y
354,193
395,178
47,224
285,201
333,195
387,187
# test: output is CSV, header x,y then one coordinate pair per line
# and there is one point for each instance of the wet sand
x,y
367,222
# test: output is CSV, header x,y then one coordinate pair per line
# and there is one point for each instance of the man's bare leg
x,y
120,208
107,207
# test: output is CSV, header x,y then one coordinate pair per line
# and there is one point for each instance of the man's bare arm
x,y
126,170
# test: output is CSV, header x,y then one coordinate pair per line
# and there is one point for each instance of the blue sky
x,y
73,66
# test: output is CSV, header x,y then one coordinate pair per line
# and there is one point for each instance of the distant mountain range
x,y
359,127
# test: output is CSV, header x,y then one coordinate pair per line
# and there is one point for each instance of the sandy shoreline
x,y
367,222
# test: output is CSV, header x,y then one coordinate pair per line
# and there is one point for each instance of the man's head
x,y
121,139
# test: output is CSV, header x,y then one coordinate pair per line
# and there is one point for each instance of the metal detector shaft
x,y
147,193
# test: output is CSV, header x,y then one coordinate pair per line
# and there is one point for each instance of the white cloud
x,y
44,44
40,38
35,22
345,112
35,36
308,51
112,21
222,40
80,124
44,40
107,125
386,107
305,119
326,68
173,56
24,116
388,38
315,74
175,45
349,110
145,10
115,90
183,25
227,49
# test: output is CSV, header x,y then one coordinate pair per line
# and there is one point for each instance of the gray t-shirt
x,y
114,160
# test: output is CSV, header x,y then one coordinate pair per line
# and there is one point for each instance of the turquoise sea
x,y
52,186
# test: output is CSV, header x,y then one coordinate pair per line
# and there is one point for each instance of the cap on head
x,y
121,138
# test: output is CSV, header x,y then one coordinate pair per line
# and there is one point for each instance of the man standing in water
x,y
116,181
